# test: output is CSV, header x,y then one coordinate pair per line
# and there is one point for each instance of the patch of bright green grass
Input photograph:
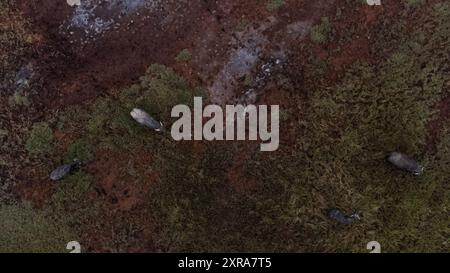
x,y
320,33
184,56
25,229
80,150
414,3
40,139
274,5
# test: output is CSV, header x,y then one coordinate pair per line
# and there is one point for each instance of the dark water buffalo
x,y
340,217
64,170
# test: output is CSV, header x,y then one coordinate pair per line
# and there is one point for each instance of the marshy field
x,y
354,82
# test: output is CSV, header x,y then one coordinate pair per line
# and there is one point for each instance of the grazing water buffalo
x,y
145,119
404,162
64,170
340,217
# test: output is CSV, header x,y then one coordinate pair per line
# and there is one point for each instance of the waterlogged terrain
x,y
354,83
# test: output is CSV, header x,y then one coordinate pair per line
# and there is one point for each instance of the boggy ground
x,y
353,82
